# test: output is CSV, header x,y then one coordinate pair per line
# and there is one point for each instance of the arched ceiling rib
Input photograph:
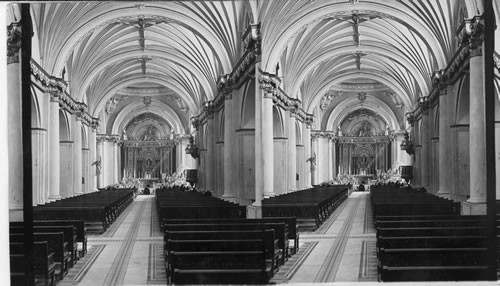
x,y
405,41
190,43
184,46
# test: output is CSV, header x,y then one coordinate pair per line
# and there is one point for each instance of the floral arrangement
x,y
126,183
390,177
177,180
343,179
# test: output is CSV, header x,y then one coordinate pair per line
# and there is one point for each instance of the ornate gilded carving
x,y
58,90
14,37
471,33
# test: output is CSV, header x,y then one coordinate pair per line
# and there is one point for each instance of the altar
x,y
363,178
150,181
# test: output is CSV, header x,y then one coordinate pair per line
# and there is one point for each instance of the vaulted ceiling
x,y
175,51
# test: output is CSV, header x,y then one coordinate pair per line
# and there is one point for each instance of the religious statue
x,y
124,135
149,135
312,159
339,131
364,131
98,165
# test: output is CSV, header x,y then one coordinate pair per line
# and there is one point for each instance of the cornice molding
x,y
270,83
469,37
243,69
58,90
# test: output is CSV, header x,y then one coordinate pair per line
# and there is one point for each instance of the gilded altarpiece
x,y
363,145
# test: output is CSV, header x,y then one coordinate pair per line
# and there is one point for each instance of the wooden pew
x,y
56,245
219,267
433,273
432,231
44,263
291,222
81,233
99,207
69,237
421,237
431,241
314,204
270,243
280,232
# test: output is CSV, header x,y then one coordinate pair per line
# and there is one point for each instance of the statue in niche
x,y
149,135
312,159
364,131
124,135
98,165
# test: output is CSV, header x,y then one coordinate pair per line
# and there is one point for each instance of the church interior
x,y
277,142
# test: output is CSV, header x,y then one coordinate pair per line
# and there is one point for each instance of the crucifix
x,y
144,60
141,24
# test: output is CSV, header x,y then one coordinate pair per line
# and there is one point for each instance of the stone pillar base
x,y
473,208
54,198
254,211
229,198
444,195
16,214
268,195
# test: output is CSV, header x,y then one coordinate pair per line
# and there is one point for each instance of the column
x,y
330,159
93,158
425,151
38,137
99,163
334,158
307,154
476,136
292,154
67,169
77,155
54,150
267,154
444,146
15,141
210,155
85,170
322,159
116,162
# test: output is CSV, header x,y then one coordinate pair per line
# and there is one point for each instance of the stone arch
x,y
278,129
298,134
35,110
85,141
64,126
462,103
435,132
248,106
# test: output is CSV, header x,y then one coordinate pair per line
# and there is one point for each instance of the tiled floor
x,y
340,252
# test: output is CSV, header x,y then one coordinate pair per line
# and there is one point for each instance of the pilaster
x,y
476,204
54,149
77,155
292,154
